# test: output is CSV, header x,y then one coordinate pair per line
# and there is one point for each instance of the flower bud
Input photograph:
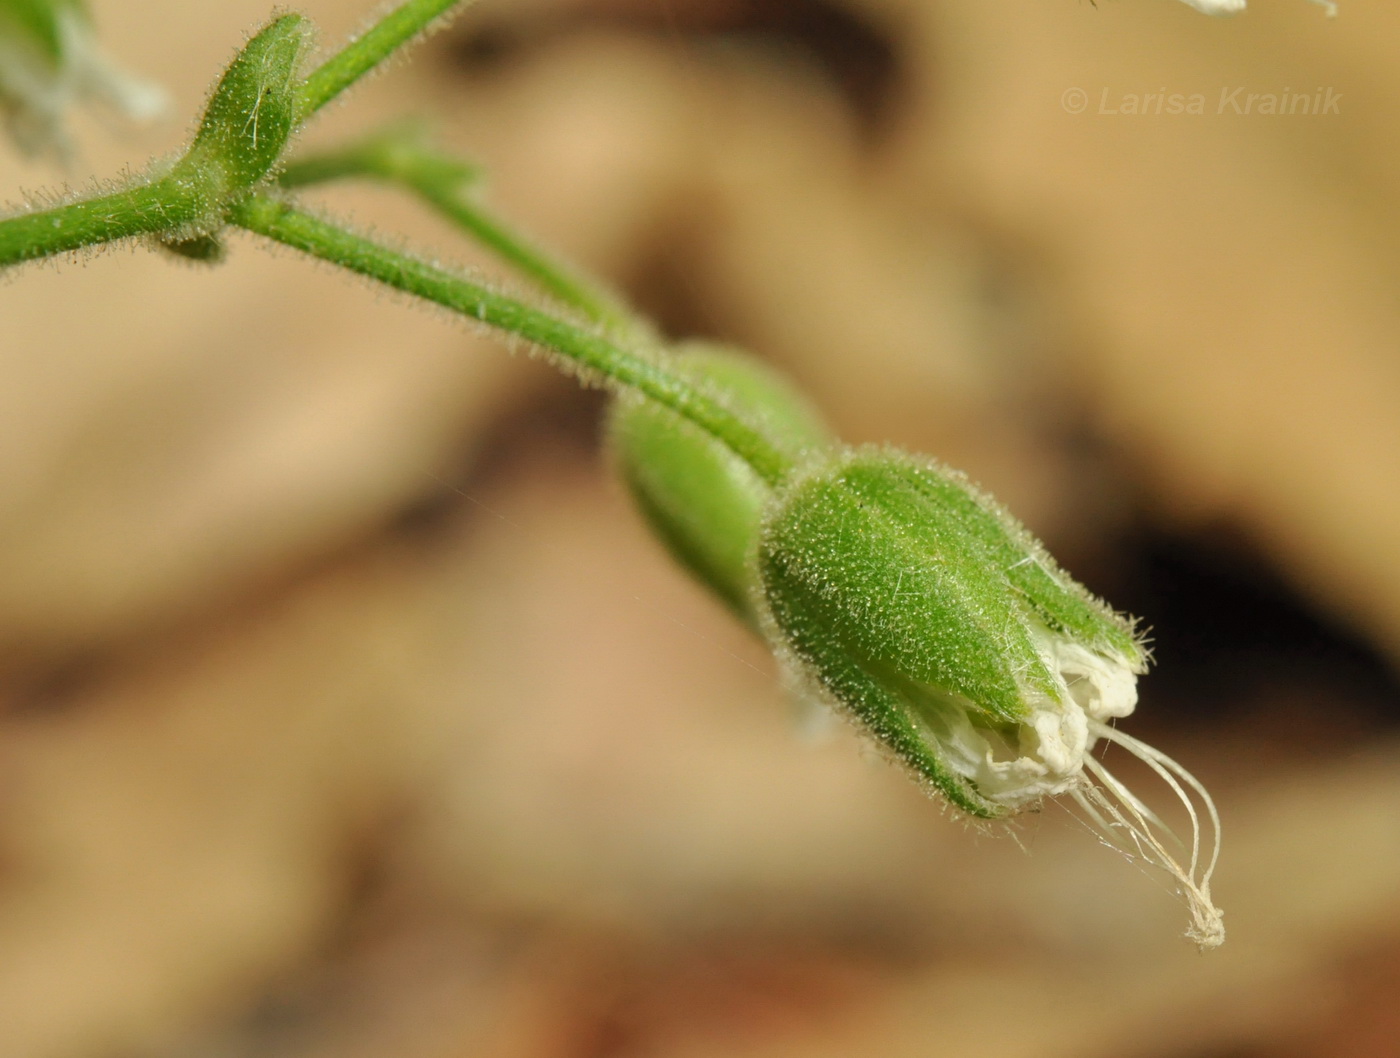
x,y
918,606
251,114
702,500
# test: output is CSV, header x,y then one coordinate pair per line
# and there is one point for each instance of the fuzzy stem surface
x,y
366,52
591,353
443,183
159,206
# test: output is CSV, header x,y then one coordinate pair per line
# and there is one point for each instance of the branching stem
x,y
366,52
400,156
216,181
590,353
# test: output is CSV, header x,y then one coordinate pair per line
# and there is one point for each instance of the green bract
x,y
703,501
943,627
251,114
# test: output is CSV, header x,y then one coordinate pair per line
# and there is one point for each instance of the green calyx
x,y
250,116
927,612
703,501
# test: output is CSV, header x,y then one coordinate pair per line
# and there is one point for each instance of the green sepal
x,y
251,113
702,500
879,705
898,569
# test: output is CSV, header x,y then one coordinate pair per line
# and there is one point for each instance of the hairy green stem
x,y
399,156
508,245
212,183
196,190
159,206
591,353
366,52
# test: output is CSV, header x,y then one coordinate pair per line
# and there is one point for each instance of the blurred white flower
x,y
1234,7
49,59
1218,7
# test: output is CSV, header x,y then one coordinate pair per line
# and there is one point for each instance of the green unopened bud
x,y
918,606
251,114
48,60
701,499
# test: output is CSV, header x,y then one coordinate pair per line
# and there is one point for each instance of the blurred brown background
x,y
348,711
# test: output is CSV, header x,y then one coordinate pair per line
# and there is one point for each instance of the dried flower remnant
x,y
917,606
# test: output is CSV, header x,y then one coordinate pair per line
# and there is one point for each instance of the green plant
x,y
888,586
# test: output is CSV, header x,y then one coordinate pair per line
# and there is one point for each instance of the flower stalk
x,y
402,156
592,357
400,26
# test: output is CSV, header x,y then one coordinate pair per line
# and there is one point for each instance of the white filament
x,y
1049,754
1124,823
